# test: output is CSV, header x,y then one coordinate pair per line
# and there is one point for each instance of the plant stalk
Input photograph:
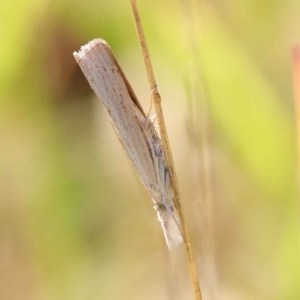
x,y
155,97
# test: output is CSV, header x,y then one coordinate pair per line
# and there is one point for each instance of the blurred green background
x,y
75,222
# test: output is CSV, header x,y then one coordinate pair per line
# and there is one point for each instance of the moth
x,y
135,130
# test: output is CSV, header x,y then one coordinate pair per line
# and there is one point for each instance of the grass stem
x,y
155,97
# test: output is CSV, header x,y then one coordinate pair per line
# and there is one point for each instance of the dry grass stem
x,y
155,97
296,78
201,138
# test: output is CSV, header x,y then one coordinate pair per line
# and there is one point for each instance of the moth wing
x,y
170,228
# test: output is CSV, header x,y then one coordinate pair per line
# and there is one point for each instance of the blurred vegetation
x,y
75,222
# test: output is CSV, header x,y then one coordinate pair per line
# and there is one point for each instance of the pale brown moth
x,y
135,130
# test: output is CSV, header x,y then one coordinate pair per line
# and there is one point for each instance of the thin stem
x,y
168,154
199,122
296,78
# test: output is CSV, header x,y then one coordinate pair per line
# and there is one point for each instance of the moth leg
x,y
150,107
152,118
